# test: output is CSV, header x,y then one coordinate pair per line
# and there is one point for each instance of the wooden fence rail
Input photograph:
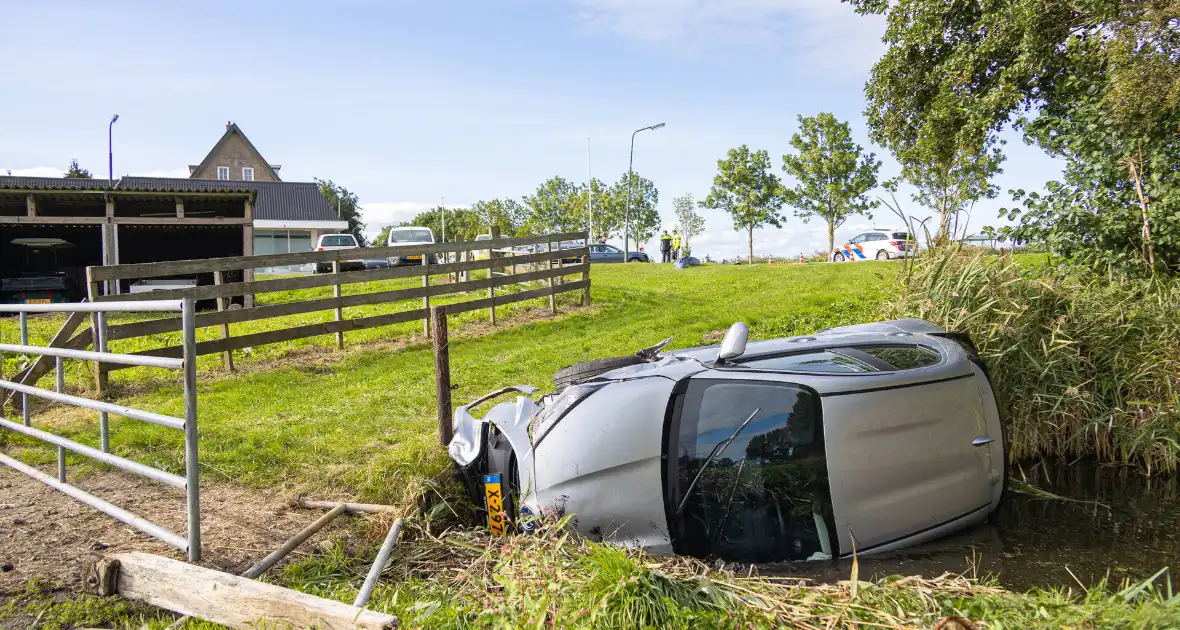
x,y
547,268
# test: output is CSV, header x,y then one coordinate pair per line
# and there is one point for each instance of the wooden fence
x,y
548,267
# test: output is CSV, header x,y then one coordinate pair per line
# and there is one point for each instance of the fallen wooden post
x,y
219,597
369,508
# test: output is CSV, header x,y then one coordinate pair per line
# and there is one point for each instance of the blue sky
x,y
407,103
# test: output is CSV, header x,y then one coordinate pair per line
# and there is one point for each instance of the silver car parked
x,y
870,437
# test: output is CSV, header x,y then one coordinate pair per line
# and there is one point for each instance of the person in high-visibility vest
x,y
675,245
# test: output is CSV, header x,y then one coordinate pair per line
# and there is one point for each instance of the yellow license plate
x,y
414,257
37,301
495,501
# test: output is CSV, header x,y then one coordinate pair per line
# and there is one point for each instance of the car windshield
x,y
411,236
342,240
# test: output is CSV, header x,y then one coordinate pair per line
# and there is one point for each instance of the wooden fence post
x,y
336,292
552,295
442,373
101,379
586,277
426,299
227,356
495,232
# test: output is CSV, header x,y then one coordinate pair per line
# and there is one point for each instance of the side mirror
x,y
734,344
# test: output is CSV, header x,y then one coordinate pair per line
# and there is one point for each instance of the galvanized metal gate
x,y
189,483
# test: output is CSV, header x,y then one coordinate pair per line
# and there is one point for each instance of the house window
x,y
222,172
248,174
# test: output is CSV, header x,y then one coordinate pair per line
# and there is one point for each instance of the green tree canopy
x,y
832,172
688,220
746,188
644,218
552,207
76,172
507,214
346,205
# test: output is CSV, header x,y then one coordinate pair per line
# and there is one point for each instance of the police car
x,y
879,244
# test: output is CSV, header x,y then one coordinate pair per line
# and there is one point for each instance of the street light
x,y
627,214
111,149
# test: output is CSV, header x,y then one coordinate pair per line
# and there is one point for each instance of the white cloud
x,y
36,171
826,35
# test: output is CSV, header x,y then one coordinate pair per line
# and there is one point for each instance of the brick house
x,y
280,228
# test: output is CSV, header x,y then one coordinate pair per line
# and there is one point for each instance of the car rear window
x,y
901,236
411,236
851,360
342,240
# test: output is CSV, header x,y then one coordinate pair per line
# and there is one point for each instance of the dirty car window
x,y
904,357
759,500
822,361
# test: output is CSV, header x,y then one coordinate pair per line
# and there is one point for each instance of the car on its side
x,y
606,253
328,242
410,235
878,244
870,438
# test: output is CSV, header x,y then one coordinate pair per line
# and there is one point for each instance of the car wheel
x,y
636,259
589,369
882,255
838,257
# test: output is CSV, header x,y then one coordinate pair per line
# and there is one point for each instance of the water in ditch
x,y
1109,523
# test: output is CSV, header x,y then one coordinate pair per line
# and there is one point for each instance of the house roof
x,y
232,128
277,201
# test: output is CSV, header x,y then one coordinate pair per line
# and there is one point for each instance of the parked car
x,y
410,236
36,275
328,242
879,435
604,253
875,245
376,263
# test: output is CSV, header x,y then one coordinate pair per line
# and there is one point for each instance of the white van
x,y
401,236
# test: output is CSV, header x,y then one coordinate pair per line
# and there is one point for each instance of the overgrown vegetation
x,y
1084,363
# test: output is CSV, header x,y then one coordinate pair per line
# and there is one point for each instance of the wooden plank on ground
x,y
184,267
268,311
209,292
222,598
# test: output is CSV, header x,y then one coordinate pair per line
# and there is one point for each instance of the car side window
x,y
877,236
856,239
850,360
764,497
596,249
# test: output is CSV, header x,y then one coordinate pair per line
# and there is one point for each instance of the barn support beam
x,y
180,207
31,205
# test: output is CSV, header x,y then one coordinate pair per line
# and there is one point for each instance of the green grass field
x,y
361,424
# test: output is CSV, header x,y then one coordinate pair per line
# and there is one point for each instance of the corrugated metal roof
x,y
289,201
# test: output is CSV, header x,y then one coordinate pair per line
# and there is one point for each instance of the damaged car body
x,y
870,438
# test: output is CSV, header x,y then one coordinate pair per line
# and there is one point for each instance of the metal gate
x,y
189,483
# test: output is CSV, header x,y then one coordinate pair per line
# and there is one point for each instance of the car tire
x,y
837,257
589,369
882,255
635,259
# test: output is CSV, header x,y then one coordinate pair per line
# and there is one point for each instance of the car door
x,y
854,250
612,254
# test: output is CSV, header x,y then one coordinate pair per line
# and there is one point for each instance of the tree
x,y
746,188
76,172
551,208
461,223
507,214
956,73
346,205
690,221
607,212
644,219
832,171
382,237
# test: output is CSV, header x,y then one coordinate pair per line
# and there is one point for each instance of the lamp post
x,y
627,214
111,148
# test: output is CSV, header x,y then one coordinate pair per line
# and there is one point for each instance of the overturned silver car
x,y
877,436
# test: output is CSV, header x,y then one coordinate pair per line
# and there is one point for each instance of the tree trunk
x,y
1143,206
750,240
831,239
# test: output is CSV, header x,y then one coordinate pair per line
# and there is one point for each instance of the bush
x,y
1083,363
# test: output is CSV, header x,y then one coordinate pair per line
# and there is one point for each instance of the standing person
x,y
675,245
665,247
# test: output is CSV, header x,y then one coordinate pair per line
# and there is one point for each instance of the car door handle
x,y
982,440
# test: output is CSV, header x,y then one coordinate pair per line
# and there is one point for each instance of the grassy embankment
x,y
361,423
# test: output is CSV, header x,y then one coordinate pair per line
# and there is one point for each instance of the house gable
x,y
235,151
